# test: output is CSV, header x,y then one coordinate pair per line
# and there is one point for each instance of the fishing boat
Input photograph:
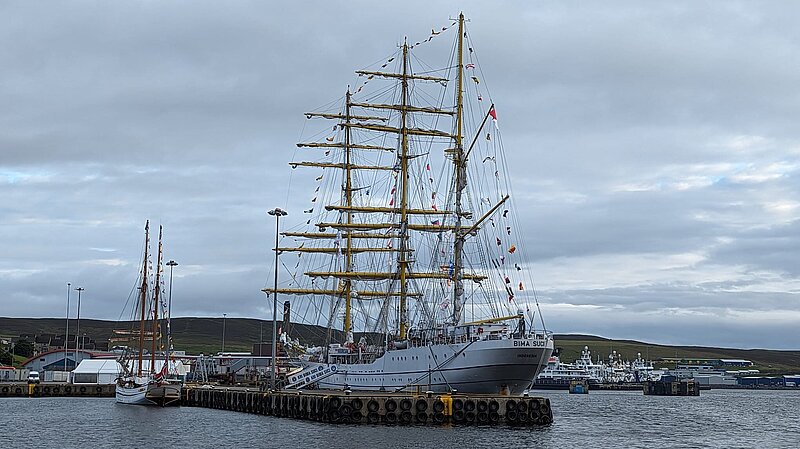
x,y
140,384
418,250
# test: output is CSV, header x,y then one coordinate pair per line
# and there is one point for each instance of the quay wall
x,y
375,408
19,389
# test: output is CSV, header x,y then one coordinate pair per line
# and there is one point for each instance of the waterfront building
x,y
56,361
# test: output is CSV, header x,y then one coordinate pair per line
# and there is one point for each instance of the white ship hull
x,y
503,366
132,395
161,394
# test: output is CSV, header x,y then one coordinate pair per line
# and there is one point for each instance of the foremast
x,y
143,298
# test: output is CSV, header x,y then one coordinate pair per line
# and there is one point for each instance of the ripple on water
x,y
716,419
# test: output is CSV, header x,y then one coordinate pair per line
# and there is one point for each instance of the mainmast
x,y
459,161
402,257
157,290
348,194
143,297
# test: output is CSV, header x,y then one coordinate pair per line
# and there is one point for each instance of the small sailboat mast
x,y
154,327
143,298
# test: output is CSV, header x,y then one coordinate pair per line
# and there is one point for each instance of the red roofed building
x,y
58,360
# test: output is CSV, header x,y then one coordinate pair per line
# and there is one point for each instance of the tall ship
x,y
411,249
147,379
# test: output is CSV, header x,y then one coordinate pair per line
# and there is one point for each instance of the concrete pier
x,y
375,408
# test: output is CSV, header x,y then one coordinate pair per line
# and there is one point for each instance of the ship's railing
x,y
419,338
427,337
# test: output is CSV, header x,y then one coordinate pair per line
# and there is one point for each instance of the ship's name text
x,y
529,343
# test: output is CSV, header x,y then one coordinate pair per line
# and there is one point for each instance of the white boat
x,y
149,394
163,388
436,284
557,372
147,391
133,393
642,370
139,385
595,370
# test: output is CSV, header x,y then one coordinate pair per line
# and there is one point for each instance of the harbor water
x,y
716,419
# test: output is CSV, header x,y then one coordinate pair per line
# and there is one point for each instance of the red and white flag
x,y
161,374
493,113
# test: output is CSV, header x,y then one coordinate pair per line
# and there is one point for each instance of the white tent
x,y
97,371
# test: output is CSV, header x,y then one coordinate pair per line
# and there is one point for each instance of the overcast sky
x,y
657,148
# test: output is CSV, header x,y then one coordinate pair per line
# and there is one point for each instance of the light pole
x,y
66,335
224,315
171,264
278,213
78,331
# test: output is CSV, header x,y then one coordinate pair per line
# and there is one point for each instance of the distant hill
x,y
196,335
767,360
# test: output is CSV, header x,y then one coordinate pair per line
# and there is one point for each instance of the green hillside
x,y
193,335
204,335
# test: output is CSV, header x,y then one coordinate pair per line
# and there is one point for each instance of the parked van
x,y
33,377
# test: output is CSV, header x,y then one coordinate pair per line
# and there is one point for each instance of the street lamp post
x,y
78,331
66,334
171,264
278,213
224,315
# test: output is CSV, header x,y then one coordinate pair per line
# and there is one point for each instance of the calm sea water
x,y
716,419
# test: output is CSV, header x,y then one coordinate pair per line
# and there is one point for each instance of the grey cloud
x,y
187,113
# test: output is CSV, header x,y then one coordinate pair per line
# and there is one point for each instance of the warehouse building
x,y
51,365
